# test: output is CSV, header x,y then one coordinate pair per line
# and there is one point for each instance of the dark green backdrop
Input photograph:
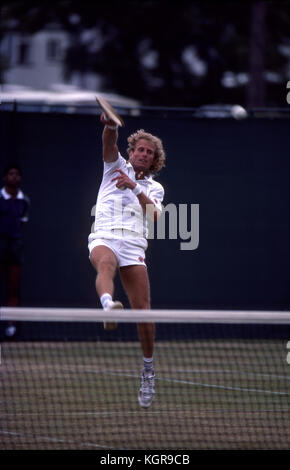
x,y
238,172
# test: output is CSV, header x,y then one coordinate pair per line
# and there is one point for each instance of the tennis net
x,y
222,380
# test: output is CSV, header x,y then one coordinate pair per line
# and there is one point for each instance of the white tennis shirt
x,y
118,210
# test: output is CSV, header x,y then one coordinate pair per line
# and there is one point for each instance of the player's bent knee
x,y
106,266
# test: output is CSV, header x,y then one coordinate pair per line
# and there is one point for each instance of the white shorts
x,y
127,251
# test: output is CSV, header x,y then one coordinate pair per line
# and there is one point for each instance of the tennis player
x,y
128,195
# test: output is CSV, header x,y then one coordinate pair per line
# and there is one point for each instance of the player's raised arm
x,y
109,138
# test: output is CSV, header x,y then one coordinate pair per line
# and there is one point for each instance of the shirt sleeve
x,y
156,194
109,167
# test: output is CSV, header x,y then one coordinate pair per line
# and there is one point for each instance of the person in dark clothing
x,y
14,206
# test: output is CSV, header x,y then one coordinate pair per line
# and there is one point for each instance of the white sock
x,y
148,363
105,299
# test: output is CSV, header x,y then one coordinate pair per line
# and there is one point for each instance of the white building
x,y
36,71
35,60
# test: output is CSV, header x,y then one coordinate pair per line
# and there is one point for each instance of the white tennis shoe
x,y
147,390
112,305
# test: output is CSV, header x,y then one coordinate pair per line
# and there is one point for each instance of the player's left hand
x,y
123,180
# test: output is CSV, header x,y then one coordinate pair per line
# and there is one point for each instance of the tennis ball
x,y
238,112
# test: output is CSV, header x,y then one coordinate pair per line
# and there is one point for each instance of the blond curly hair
x,y
159,156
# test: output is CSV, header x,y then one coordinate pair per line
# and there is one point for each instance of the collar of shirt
x,y
147,178
6,195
